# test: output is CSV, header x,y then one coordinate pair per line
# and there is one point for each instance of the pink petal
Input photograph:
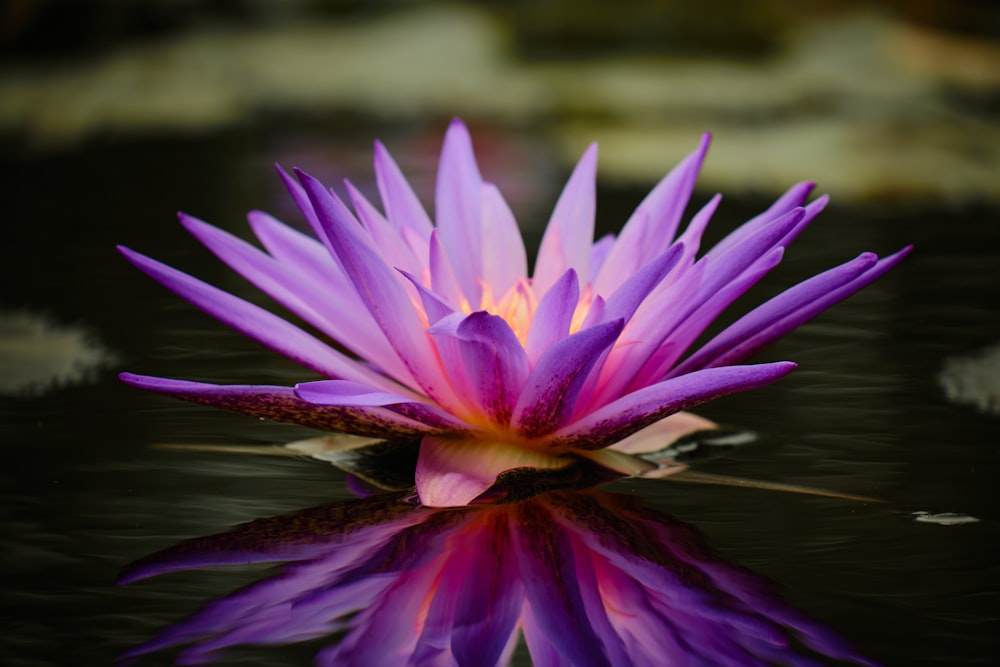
x,y
663,433
453,472
402,207
569,235
457,200
504,258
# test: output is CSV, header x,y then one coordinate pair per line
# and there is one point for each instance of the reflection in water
x,y
589,578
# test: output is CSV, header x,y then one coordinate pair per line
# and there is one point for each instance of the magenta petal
x,y
623,417
569,235
281,404
493,362
553,316
550,392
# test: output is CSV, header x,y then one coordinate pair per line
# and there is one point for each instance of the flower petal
x,y
553,316
492,360
550,392
394,248
281,404
569,235
623,417
654,224
458,209
661,434
504,258
319,303
255,322
382,291
787,311
453,472
346,394
402,207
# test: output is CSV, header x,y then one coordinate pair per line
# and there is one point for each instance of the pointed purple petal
x,y
620,419
654,224
550,392
382,291
492,360
346,394
458,209
569,235
402,207
627,298
254,322
281,404
504,258
319,304
553,316
787,311
599,253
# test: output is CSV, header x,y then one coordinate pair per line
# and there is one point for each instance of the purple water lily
x,y
587,578
453,347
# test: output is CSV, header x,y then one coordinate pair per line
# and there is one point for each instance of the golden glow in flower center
x,y
518,305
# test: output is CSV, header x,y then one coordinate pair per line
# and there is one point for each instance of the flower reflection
x,y
588,578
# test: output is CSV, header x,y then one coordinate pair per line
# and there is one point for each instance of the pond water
x,y
83,494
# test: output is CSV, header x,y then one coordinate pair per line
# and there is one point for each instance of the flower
x,y
453,347
588,578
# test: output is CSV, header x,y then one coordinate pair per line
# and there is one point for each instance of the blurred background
x,y
114,114
874,99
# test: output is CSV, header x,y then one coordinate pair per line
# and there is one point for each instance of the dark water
x,y
83,495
